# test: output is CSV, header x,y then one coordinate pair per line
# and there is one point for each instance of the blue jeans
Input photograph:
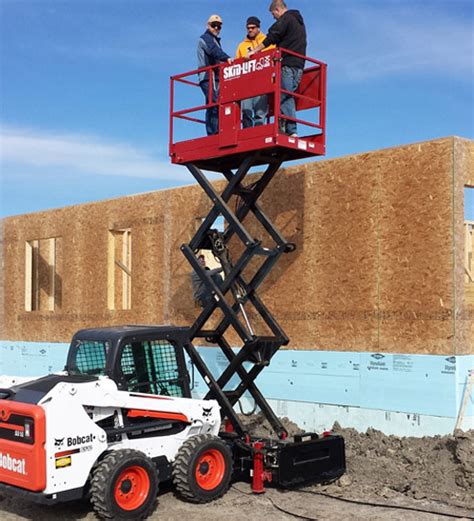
x,y
290,79
254,111
212,113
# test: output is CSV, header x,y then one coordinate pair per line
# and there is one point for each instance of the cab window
x,y
89,357
151,366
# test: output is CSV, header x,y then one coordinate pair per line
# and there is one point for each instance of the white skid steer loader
x,y
120,420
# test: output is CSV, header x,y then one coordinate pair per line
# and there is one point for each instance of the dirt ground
x,y
439,468
238,505
433,473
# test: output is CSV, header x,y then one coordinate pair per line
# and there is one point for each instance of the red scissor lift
x,y
236,304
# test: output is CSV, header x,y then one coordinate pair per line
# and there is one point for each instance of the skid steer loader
x,y
120,420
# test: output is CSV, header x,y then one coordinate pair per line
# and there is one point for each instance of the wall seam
x,y
453,245
378,220
167,240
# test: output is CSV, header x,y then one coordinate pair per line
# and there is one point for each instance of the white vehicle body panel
x,y
75,441
9,381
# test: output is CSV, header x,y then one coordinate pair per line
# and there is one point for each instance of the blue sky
x,y
84,85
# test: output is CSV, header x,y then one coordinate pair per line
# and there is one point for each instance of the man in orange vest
x,y
254,110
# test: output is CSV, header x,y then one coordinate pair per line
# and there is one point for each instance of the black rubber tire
x,y
187,462
105,477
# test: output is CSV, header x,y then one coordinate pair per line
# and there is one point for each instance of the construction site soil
x,y
426,478
439,468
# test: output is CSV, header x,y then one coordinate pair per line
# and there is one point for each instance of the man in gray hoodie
x,y
288,32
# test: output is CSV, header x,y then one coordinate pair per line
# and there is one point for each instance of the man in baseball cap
x,y
215,18
209,52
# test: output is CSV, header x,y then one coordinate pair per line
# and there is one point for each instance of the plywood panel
x,y
465,149
325,292
377,265
464,306
416,249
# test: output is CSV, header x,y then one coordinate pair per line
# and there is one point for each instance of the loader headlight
x,y
28,430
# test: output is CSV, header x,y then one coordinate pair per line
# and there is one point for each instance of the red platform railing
x,y
243,79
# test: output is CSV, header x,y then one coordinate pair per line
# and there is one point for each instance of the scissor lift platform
x,y
233,152
243,79
235,312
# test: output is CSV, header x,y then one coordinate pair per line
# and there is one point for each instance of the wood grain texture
x,y
464,307
378,264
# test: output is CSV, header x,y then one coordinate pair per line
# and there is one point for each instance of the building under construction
x,y
377,299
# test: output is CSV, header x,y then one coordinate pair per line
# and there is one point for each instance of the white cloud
x,y
71,153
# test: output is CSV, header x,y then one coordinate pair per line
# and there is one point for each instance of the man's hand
x,y
229,61
257,49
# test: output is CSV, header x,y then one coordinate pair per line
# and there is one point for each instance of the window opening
x,y
119,287
469,246
42,274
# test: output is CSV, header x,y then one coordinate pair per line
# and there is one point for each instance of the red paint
x,y
23,464
66,453
210,469
139,413
132,488
241,80
260,475
12,427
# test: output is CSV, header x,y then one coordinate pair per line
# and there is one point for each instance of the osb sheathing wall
x,y
378,265
463,175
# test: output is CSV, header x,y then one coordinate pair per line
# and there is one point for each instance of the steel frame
x,y
233,152
257,349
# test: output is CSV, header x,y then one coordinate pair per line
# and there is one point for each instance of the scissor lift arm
x,y
256,349
233,153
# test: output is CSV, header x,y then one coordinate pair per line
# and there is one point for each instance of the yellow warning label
x,y
63,462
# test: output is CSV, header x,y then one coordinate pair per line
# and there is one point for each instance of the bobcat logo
x,y
58,442
206,412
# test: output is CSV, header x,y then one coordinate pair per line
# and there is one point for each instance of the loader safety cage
x,y
241,80
236,306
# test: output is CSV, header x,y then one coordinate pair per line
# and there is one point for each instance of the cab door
x,y
153,366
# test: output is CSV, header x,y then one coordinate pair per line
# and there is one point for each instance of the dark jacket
x,y
289,32
209,52
200,291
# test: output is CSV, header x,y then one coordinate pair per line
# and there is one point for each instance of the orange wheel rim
x,y
210,469
132,488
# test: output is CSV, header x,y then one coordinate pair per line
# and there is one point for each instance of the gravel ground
x,y
239,504
430,473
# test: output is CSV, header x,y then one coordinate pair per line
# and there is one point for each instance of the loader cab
x,y
140,359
